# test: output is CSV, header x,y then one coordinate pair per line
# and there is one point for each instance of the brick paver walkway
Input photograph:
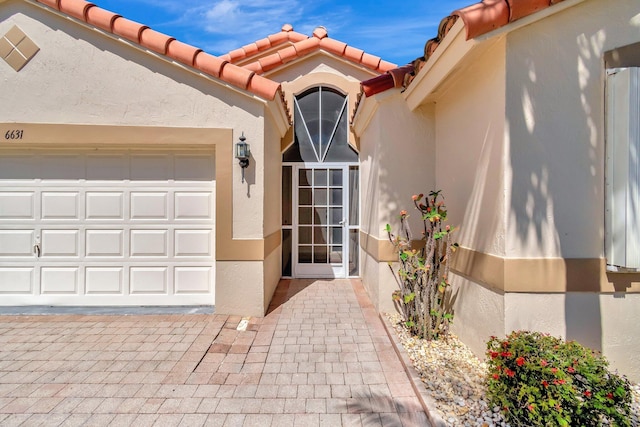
x,y
320,357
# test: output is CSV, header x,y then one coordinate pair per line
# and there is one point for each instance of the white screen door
x,y
320,228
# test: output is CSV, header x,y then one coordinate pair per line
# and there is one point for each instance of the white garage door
x,y
107,228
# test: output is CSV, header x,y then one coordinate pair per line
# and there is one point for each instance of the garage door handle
x,y
36,249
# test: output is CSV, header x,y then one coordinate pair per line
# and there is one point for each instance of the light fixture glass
x,y
243,153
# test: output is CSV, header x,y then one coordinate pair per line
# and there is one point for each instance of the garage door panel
x,y
194,168
149,243
193,205
149,280
60,205
107,168
62,168
105,205
193,280
195,243
18,167
59,243
16,243
17,205
104,281
149,205
112,227
150,167
16,280
105,243
59,280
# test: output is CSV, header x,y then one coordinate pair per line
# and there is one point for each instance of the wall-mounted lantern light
x,y
243,152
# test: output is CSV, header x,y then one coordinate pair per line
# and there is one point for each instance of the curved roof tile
x,y
392,78
290,45
101,18
479,18
163,44
488,15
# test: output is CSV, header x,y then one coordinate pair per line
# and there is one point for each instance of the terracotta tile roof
x,y
287,45
163,44
478,19
392,78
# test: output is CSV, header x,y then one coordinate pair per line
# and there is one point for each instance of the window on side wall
x,y
622,181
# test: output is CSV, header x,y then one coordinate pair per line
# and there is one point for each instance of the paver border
x,y
416,383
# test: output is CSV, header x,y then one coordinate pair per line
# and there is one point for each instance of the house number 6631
x,y
14,134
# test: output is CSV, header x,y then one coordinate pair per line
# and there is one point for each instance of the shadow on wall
x,y
554,110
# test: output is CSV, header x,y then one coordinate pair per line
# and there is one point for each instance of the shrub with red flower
x,y
548,381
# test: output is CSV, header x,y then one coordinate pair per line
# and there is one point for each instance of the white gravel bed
x,y
454,378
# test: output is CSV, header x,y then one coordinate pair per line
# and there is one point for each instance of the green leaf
x,y
409,297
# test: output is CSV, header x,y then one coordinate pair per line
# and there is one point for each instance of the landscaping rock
x,y
454,378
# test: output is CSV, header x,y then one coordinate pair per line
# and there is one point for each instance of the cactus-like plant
x,y
424,292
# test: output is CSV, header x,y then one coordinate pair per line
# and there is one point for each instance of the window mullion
x,y
306,129
335,128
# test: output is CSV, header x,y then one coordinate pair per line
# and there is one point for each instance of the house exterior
x,y
511,108
119,186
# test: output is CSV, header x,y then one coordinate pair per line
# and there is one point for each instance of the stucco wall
x,y
272,209
395,163
470,149
478,313
244,290
555,128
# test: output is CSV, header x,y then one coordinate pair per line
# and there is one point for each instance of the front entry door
x,y
320,228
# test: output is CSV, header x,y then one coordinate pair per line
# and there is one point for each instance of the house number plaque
x,y
14,134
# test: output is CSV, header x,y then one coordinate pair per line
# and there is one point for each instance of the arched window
x,y
321,132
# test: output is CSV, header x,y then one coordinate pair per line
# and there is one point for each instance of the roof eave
x,y
171,50
454,48
530,19
279,113
367,107
313,54
437,69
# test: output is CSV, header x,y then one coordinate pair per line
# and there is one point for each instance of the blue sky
x,y
396,31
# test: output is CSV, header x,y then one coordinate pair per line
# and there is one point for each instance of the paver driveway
x,y
320,357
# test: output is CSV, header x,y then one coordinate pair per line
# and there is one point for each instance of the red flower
x,y
414,197
530,407
403,213
495,376
509,372
587,393
505,344
554,370
506,354
520,361
556,382
610,396
545,384
543,362
494,354
570,369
